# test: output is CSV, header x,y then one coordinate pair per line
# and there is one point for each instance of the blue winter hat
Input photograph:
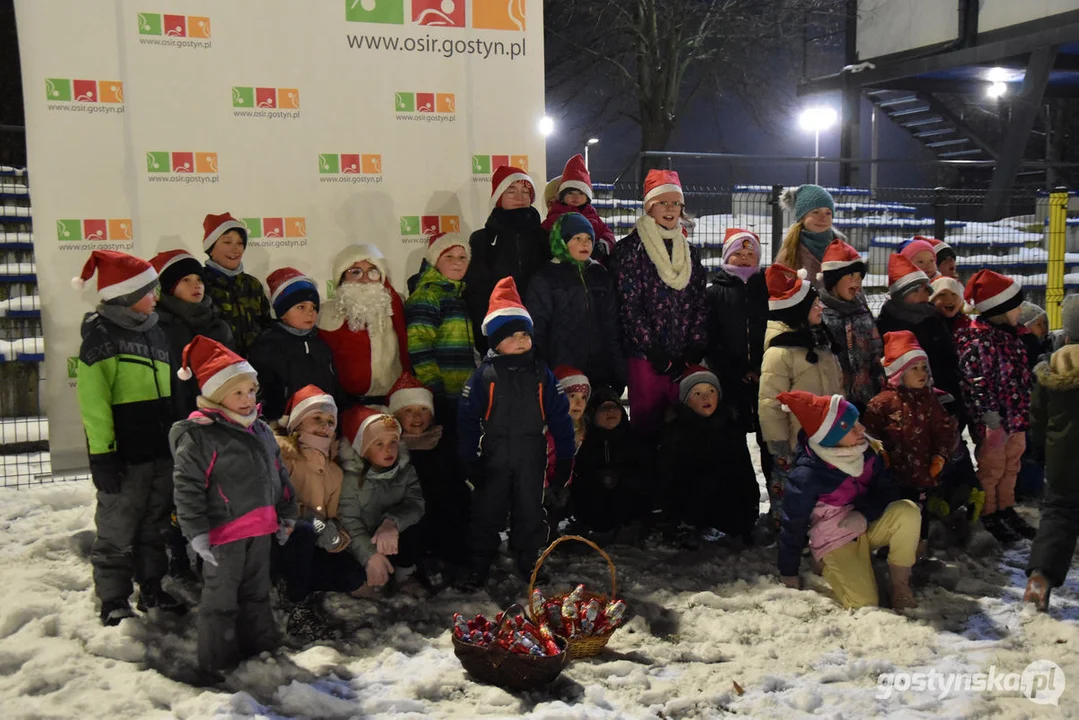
x,y
806,198
574,223
290,287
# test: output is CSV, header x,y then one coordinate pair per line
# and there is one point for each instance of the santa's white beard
x,y
365,305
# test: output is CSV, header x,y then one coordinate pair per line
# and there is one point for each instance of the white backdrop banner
x,y
318,123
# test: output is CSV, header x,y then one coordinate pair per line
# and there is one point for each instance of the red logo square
x,y
498,161
95,229
438,13
429,225
350,163
266,97
425,102
183,162
175,25
85,90
273,227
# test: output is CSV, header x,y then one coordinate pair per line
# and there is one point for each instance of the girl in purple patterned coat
x,y
664,310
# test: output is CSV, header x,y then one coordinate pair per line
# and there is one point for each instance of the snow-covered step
x,y
14,190
10,171
18,272
16,240
864,208
616,203
23,306
23,350
15,211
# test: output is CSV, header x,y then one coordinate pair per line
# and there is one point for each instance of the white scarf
x,y
674,269
850,460
242,420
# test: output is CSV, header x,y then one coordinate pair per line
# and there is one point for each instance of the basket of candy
x,y
586,619
511,652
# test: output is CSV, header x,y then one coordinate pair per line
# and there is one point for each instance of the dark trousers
x,y
235,618
1054,545
513,483
604,509
131,529
307,568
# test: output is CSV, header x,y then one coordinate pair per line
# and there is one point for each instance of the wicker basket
x,y
512,671
589,645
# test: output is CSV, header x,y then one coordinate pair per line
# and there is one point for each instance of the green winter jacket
x,y
242,303
124,388
440,342
368,497
1054,417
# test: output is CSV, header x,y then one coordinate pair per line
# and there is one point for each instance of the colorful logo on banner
x,y
95,233
483,166
84,91
423,102
276,231
265,102
165,29
349,168
486,14
181,167
416,228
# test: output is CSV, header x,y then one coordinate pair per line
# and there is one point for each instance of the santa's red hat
x,y
173,266
360,252
408,390
506,314
214,226
787,288
360,425
575,177
695,375
901,350
288,287
122,279
441,242
903,275
570,379
305,401
825,420
505,176
214,365
839,259
657,182
992,293
736,239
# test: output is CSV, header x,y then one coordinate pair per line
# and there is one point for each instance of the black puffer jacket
x,y
737,317
285,363
575,317
512,243
182,321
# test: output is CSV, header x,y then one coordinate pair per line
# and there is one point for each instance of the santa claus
x,y
364,325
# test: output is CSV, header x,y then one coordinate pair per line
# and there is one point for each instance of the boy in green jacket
x,y
124,389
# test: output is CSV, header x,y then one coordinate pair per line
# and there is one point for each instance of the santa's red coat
x,y
352,350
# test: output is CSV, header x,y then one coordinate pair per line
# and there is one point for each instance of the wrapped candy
x,y
614,611
570,616
589,616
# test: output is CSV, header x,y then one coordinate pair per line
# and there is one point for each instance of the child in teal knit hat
x,y
812,232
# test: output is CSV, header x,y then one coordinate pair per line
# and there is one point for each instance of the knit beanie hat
x,y
943,283
790,295
570,379
915,245
216,367
550,190
122,279
804,199
173,266
563,230
737,239
903,276
505,176
901,350
406,391
441,242
1029,313
214,226
290,287
825,420
362,426
1069,316
304,402
695,375
506,313
840,259
659,182
353,254
993,294
575,177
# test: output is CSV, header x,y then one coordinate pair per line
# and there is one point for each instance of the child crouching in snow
x,y
232,495
840,495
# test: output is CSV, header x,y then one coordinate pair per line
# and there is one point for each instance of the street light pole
x,y
591,141
816,156
817,119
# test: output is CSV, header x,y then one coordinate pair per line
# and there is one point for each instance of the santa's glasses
x,y
360,275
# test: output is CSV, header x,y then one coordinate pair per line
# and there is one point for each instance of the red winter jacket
x,y
603,233
914,427
352,350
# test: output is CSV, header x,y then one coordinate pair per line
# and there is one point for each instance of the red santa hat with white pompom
x,y
120,276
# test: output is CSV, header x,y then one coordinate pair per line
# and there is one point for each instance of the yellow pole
x,y
1054,284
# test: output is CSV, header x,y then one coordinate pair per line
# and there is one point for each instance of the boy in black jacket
x,y
505,407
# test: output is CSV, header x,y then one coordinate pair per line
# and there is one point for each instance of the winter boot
x,y
1038,590
994,525
152,596
113,611
369,592
902,595
525,564
308,624
1017,524
473,582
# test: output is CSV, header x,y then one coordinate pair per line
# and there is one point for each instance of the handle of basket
x,y
546,554
507,615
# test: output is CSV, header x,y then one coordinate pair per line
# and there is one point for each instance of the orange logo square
x,y
445,103
198,27
110,91
206,162
499,14
519,161
295,227
120,229
288,98
371,164
450,223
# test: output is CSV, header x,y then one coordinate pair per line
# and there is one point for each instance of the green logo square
x,y
150,24
158,162
58,89
481,164
410,225
243,97
69,229
73,367
254,227
389,12
329,163
404,102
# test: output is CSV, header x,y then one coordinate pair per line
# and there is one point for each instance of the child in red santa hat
x,y
575,195
238,296
921,253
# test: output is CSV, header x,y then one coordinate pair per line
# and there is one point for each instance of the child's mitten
x,y
201,545
935,466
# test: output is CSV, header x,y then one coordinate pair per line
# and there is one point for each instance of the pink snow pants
x,y
998,469
649,396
